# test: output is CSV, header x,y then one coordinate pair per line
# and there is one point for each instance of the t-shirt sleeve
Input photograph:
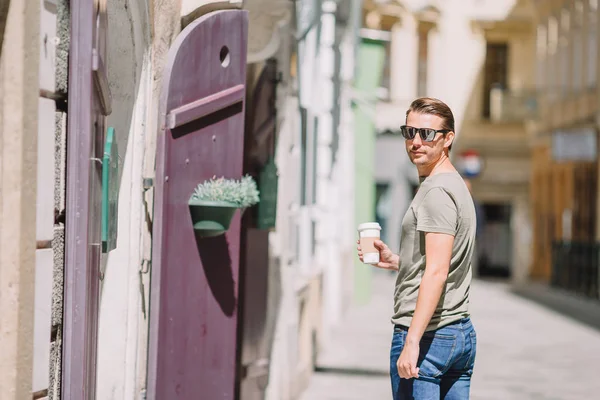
x,y
437,213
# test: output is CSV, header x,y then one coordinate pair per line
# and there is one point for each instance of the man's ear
x,y
449,139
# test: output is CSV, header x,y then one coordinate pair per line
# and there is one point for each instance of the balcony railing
x,y
575,267
513,106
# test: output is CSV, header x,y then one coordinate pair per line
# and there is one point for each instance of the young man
x,y
434,342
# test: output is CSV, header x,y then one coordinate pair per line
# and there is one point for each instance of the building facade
x,y
564,193
104,285
521,78
477,56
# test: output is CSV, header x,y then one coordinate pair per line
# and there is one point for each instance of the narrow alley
x,y
183,182
525,350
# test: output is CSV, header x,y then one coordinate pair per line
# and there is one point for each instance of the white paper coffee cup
x,y
367,234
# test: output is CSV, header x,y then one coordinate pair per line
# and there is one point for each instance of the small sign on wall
x,y
470,163
110,192
575,145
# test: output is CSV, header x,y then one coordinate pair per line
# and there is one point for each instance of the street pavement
x,y
525,350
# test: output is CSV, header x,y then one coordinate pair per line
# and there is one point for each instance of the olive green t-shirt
x,y
443,204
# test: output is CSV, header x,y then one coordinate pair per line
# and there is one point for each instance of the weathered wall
x,y
315,287
61,60
122,321
45,219
134,65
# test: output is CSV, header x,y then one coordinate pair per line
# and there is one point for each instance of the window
x,y
385,86
552,35
383,205
552,69
577,45
308,158
422,62
496,72
591,44
315,149
303,155
563,51
542,48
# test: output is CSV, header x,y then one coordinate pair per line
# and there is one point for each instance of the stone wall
x,y
61,51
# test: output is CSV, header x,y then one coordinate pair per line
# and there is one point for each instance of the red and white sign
x,y
470,163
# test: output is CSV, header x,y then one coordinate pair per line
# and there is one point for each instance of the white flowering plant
x,y
241,193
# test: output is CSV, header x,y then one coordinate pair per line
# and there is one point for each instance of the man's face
x,y
423,153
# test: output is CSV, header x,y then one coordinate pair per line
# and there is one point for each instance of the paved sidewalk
x,y
525,351
355,366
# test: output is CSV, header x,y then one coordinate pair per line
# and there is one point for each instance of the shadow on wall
x,y
216,262
122,325
127,44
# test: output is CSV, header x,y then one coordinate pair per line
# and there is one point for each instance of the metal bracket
x,y
143,271
60,99
148,183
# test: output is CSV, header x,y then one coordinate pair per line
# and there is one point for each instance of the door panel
x,y
89,103
193,316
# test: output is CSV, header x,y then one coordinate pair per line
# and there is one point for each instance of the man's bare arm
x,y
438,248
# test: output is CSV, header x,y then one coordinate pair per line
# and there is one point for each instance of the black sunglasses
x,y
426,134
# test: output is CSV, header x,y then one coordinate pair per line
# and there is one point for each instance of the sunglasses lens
x,y
428,134
408,132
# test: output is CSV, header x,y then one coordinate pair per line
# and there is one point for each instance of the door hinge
x,y
148,183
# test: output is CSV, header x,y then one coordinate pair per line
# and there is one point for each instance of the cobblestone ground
x,y
525,351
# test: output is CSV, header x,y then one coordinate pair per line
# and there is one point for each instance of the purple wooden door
x,y
193,316
89,103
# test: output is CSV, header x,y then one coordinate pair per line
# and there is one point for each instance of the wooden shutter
x,y
89,103
194,289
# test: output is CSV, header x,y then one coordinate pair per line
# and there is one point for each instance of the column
x,y
327,232
522,237
404,53
19,72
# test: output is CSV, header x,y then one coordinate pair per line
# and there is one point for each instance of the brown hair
x,y
429,105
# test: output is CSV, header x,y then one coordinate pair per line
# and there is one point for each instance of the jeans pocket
x,y
396,348
473,352
435,354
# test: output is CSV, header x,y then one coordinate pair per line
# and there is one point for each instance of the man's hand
x,y
407,363
387,259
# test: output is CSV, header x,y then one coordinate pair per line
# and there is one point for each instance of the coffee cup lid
x,y
369,225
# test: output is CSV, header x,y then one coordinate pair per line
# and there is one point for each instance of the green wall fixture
x,y
110,192
215,201
211,218
267,207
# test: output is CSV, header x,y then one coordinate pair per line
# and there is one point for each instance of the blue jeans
x,y
446,360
